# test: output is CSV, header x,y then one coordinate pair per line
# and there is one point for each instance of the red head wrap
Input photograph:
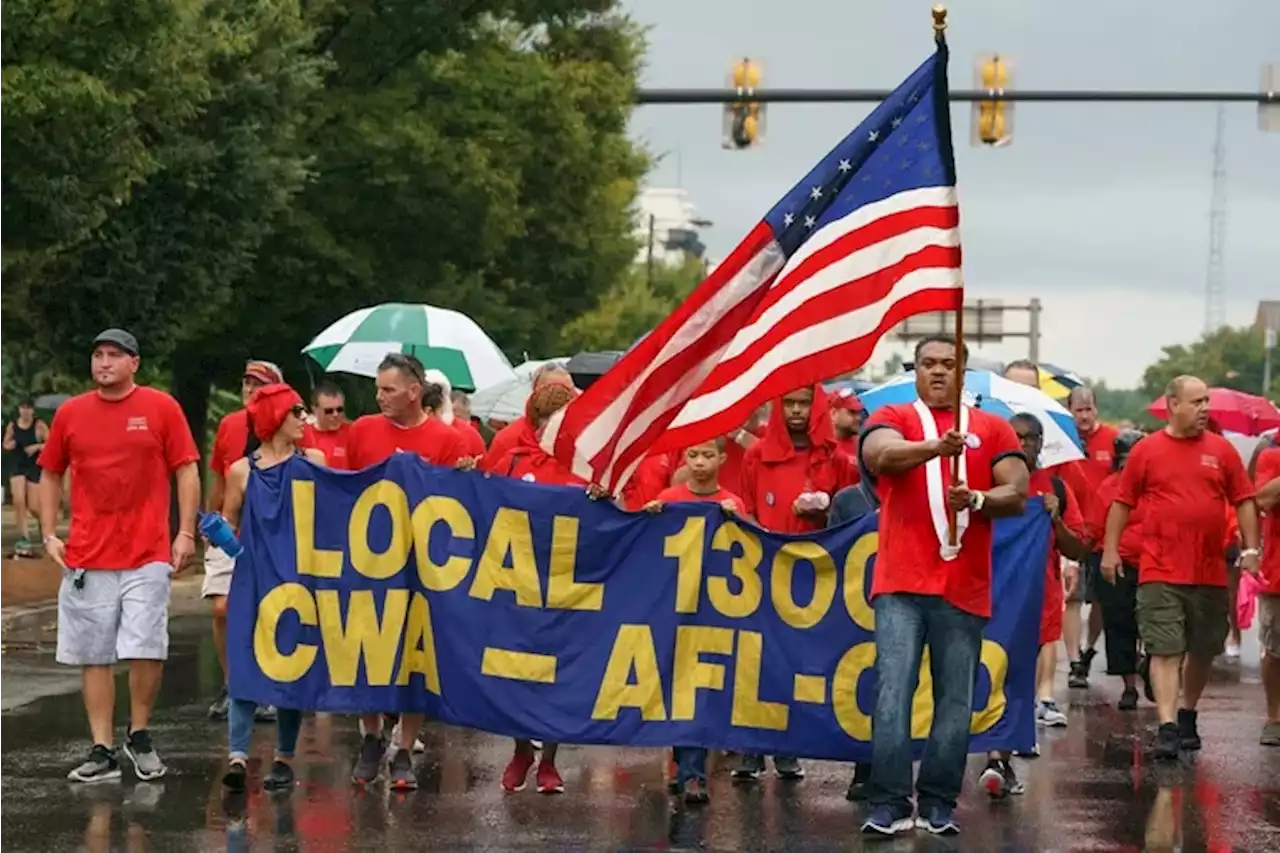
x,y
269,406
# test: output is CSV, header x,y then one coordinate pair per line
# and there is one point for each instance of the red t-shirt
x,y
1041,484
375,437
770,489
909,560
472,440
229,441
1184,485
683,494
121,453
849,447
650,478
334,444
1095,525
1269,469
535,465
1085,476
503,443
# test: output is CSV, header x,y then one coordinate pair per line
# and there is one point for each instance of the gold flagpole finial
x,y
939,21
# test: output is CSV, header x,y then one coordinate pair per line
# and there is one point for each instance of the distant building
x,y
668,220
1268,316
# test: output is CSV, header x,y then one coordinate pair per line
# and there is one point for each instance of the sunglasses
x,y
333,410
298,411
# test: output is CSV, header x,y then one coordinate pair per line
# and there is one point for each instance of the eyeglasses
x,y
333,410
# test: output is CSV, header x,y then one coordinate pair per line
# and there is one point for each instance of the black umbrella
x,y
587,367
50,402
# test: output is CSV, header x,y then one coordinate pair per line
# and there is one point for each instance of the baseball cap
x,y
845,398
119,338
263,371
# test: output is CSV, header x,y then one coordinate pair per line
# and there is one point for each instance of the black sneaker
x,y
787,767
1078,678
1086,660
401,772
1188,737
1168,743
146,762
100,766
264,714
1128,699
280,778
218,710
857,791
234,779
749,768
369,762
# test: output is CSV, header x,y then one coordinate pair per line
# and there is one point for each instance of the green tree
x,y
1227,358
631,307
1117,404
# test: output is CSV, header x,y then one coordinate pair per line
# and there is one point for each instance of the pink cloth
x,y
1247,599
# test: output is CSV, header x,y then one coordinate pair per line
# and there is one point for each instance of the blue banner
x,y
532,611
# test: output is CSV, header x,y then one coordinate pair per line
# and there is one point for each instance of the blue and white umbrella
x,y
999,396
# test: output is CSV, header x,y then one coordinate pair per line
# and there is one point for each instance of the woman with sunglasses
x,y
275,430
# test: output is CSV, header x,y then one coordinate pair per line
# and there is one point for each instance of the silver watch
x,y
976,500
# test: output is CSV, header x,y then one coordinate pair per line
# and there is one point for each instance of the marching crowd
x,y
1151,531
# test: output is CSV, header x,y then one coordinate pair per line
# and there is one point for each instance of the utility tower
x,y
1215,285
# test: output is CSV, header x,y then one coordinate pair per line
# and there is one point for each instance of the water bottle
x,y
219,533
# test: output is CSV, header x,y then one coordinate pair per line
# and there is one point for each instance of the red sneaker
x,y
513,778
549,781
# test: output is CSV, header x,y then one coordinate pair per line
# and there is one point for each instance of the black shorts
x,y
31,475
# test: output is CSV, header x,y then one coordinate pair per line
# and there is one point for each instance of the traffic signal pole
x,y
848,96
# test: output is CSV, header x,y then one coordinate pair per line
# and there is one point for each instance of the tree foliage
x,y
1227,358
632,307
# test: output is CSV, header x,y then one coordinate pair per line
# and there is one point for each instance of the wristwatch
x,y
976,500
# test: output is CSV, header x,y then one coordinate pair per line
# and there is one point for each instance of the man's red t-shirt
x,y
1184,485
1041,484
848,446
504,441
909,560
683,494
1086,475
1269,469
535,465
229,441
375,437
334,444
650,478
1095,524
121,453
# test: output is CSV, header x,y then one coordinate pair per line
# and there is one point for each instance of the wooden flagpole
x,y
940,36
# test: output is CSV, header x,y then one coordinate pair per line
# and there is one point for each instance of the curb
x,y
34,617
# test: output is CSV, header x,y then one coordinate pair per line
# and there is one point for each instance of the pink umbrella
x,y
1233,411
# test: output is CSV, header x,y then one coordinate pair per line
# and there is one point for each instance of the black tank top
x,y
24,437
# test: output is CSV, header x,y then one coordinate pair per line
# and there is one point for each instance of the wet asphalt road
x,y
1093,790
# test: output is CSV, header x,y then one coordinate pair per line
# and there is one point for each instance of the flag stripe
x,y
842,288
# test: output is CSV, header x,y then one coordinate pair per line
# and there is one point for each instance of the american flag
x,y
869,237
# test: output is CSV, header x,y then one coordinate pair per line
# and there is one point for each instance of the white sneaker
x,y
1050,715
1233,651
419,746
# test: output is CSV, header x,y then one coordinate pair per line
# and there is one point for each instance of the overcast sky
x,y
1099,210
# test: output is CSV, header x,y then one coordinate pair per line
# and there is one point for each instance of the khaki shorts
x,y
217,572
1269,624
1177,618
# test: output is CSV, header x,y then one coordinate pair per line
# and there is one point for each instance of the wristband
x,y
1251,552
187,534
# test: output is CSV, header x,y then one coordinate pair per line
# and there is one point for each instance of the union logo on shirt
x,y
136,424
339,451
1103,456
1208,460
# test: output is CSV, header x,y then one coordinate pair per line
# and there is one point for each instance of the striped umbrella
x,y
448,341
1001,397
1057,382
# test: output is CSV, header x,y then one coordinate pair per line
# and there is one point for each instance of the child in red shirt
x,y
703,462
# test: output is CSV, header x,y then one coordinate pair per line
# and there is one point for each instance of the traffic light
x,y
993,120
744,119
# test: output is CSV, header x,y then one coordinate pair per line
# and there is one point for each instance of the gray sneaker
x,y
787,767
146,762
100,766
749,768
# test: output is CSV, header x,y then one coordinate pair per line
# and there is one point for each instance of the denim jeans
x,y
691,763
240,729
904,624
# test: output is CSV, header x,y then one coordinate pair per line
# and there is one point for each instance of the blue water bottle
x,y
219,533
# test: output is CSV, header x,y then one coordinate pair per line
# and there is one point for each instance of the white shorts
x,y
217,572
114,615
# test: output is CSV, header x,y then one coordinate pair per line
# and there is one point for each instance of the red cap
x,y
845,399
263,371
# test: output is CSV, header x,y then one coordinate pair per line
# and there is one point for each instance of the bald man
x,y
1183,476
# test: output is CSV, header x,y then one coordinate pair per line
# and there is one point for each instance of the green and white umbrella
x,y
448,341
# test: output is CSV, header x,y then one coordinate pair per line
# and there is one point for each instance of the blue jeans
x,y
691,763
904,624
240,729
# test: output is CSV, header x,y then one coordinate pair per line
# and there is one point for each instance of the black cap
x,y
120,338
